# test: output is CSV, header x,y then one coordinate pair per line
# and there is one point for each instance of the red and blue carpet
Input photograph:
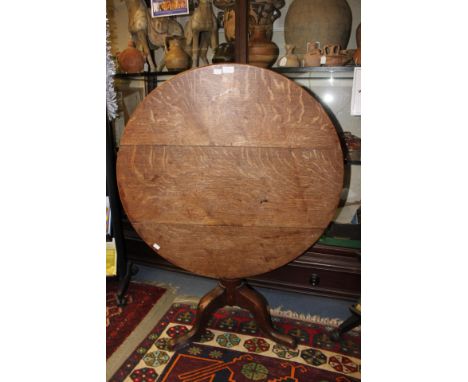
x,y
121,321
233,350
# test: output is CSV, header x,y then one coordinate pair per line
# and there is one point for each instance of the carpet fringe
x,y
279,312
171,287
335,322
305,317
186,299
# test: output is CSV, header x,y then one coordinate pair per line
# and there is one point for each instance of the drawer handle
x,y
314,279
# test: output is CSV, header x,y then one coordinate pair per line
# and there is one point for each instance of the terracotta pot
x,y
326,21
313,54
347,55
176,58
262,52
289,60
335,56
131,60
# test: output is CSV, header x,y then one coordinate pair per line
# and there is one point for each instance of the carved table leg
x,y
232,292
253,301
208,304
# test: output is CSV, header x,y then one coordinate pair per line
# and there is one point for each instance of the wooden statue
x,y
138,27
150,32
201,32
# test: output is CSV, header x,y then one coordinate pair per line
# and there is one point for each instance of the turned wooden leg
x,y
203,49
162,64
195,48
208,304
146,50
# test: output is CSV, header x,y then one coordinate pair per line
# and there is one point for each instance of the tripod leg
x,y
253,301
208,304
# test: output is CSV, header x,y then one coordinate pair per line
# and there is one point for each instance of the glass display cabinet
x,y
329,268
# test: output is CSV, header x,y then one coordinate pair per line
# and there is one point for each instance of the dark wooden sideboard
x,y
322,270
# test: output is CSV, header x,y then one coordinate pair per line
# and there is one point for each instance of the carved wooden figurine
x,y
150,32
201,32
138,27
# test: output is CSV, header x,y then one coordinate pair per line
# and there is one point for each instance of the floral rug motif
x,y
232,349
121,321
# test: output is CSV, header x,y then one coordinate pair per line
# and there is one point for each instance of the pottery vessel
x,y
357,53
335,56
176,58
347,56
224,4
289,60
131,60
313,54
326,21
262,52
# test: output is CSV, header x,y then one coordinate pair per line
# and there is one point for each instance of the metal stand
x,y
124,269
130,271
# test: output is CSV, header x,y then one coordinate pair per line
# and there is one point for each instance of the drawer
x,y
344,282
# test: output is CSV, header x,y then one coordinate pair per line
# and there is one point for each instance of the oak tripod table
x,y
230,171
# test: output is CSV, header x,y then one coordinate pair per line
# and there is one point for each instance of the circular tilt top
x,y
230,171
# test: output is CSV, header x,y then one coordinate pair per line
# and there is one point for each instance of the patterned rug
x,y
233,350
121,321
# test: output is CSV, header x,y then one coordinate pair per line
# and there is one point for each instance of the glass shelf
x,y
312,71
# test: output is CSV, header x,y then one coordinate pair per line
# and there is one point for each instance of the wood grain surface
x,y
231,170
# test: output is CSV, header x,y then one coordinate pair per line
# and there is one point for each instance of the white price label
x,y
228,69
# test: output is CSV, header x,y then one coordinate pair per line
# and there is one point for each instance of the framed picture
x,y
164,8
